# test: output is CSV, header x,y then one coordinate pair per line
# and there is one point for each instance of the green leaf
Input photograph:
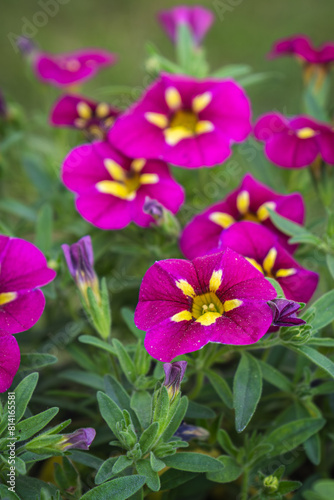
x,y
288,227
156,464
23,393
324,311
37,360
14,207
275,377
44,228
79,376
232,71
109,410
141,403
196,410
278,288
176,420
286,487
161,409
148,437
226,443
30,426
152,478
89,339
6,494
221,387
247,388
193,462
105,472
184,47
173,478
330,263
229,473
122,463
316,357
117,489
128,317
125,361
256,78
291,435
119,395
85,458
321,341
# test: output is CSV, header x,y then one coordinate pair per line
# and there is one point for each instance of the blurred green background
x,y
243,33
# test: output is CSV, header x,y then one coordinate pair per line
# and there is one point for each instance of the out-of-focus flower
x,y
93,118
187,432
64,70
153,208
218,298
296,142
174,373
285,312
190,123
301,46
26,46
80,262
250,201
262,249
112,188
81,439
23,270
197,19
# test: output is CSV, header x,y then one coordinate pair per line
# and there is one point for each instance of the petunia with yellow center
x,y
125,183
306,133
84,111
102,110
7,297
262,212
186,288
268,264
222,219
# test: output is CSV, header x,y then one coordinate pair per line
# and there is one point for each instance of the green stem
x,y
244,488
198,386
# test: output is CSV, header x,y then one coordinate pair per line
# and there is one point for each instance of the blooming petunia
x,y
190,123
71,68
262,249
285,312
23,270
219,298
111,188
197,19
295,142
250,201
74,111
301,47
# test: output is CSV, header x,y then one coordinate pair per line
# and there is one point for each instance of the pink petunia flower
x,y
63,70
262,249
197,19
23,270
250,201
295,142
93,118
190,123
219,298
301,47
111,188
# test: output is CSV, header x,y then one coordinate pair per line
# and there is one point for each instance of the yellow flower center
x,y
185,119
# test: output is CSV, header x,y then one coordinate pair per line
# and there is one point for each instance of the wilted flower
x,y
81,439
112,188
190,123
296,142
285,312
218,298
250,201
174,373
262,249
23,270
93,118
301,47
80,262
197,19
68,69
187,432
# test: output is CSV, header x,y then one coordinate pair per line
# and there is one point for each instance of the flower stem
x,y
198,386
244,488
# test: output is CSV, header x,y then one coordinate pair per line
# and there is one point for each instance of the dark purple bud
x,y
80,262
153,208
81,439
25,45
285,312
3,106
174,373
187,432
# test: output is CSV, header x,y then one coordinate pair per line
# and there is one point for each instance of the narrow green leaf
x,y
221,387
226,443
141,403
156,464
278,288
287,226
109,411
176,420
85,458
184,47
6,494
255,78
44,228
193,462
80,377
122,463
119,395
173,478
247,388
330,263
286,487
105,472
148,437
152,478
324,311
128,317
117,489
321,342
125,361
37,360
229,473
196,410
316,357
89,339
23,393
232,71
30,426
275,377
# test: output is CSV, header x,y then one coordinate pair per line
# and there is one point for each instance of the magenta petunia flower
x,y
301,47
295,142
111,188
250,201
190,123
71,68
23,270
196,18
262,249
219,298
74,111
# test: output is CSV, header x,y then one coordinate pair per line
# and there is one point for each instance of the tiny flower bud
x,y
174,373
25,45
153,208
285,312
81,439
187,432
271,483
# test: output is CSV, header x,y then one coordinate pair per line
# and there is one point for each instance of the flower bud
x,y
285,312
187,432
174,373
271,483
81,439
